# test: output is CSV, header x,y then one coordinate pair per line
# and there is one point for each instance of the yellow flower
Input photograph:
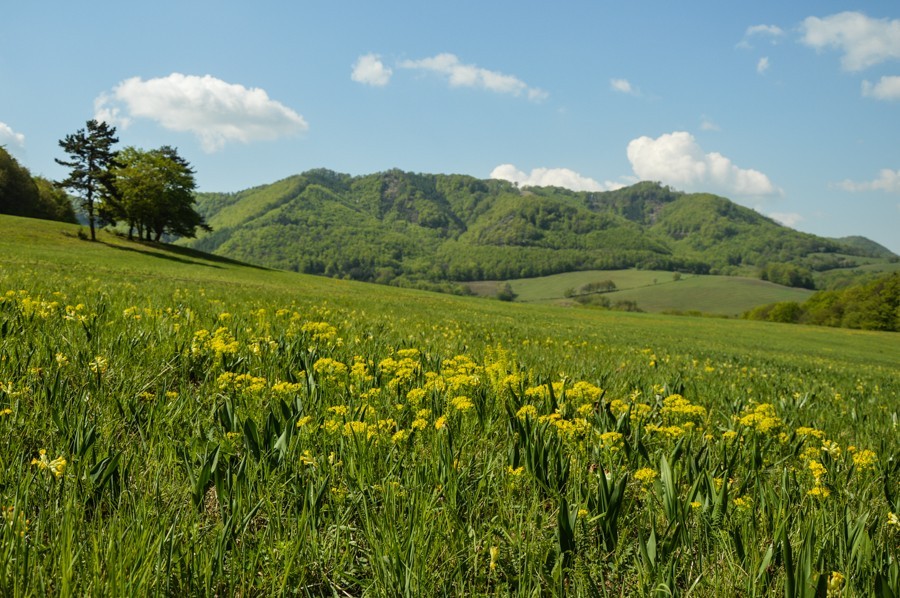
x,y
98,365
462,403
865,459
835,583
57,466
526,411
6,411
820,492
645,475
441,423
494,552
817,469
303,421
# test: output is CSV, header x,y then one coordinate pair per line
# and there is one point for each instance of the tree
x,y
92,160
156,194
18,193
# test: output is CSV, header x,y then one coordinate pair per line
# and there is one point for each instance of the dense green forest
x,y
22,194
420,229
871,306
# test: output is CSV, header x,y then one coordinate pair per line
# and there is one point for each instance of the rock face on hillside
x,y
404,228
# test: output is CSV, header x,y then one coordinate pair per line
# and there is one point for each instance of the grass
x,y
654,291
176,424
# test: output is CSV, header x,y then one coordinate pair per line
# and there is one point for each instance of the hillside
x,y
407,229
206,427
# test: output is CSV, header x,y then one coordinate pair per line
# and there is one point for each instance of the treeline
x,y
152,192
22,194
871,306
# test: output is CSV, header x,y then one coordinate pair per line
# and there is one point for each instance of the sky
x,y
789,108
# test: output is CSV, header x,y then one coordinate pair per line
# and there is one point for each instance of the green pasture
x,y
177,424
654,291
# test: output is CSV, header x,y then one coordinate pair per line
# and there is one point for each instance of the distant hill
x,y
425,229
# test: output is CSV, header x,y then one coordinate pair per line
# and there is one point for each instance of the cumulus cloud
x,y
763,65
790,219
470,75
551,177
863,40
10,137
215,111
887,88
623,86
677,159
888,180
369,70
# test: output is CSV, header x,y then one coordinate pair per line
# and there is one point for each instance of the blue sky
x,y
791,108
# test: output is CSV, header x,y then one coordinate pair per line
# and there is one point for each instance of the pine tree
x,y
92,160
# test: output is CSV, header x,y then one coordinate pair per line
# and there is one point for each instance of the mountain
x,y
413,229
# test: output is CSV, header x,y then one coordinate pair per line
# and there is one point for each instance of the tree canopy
x,y
33,197
92,159
156,194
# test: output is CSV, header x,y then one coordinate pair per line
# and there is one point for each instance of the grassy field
x,y
177,424
654,291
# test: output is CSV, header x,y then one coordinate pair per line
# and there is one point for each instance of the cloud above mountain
x,y
215,111
677,159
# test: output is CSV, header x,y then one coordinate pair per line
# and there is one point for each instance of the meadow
x,y
653,290
178,424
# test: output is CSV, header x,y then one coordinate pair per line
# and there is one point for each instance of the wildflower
x,y
99,365
440,423
57,466
400,436
494,552
820,492
818,470
645,475
303,421
761,417
743,502
611,440
419,423
519,470
61,360
696,504
462,403
832,448
865,459
6,411
526,411
835,583
307,459
893,520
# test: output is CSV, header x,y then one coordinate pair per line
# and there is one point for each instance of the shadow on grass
x,y
180,254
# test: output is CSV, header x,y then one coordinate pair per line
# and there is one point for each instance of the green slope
x,y
404,228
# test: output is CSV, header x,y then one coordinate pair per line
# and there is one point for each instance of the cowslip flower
x,y
57,466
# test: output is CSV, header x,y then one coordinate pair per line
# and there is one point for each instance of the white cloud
x,y
863,40
470,75
215,111
773,32
708,125
887,88
763,65
677,159
10,137
551,177
888,180
369,70
764,30
623,86
790,219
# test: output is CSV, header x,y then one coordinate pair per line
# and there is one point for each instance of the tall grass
x,y
284,435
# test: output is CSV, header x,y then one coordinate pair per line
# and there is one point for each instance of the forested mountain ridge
x,y
405,228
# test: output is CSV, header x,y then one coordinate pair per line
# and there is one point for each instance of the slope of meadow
x,y
173,423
